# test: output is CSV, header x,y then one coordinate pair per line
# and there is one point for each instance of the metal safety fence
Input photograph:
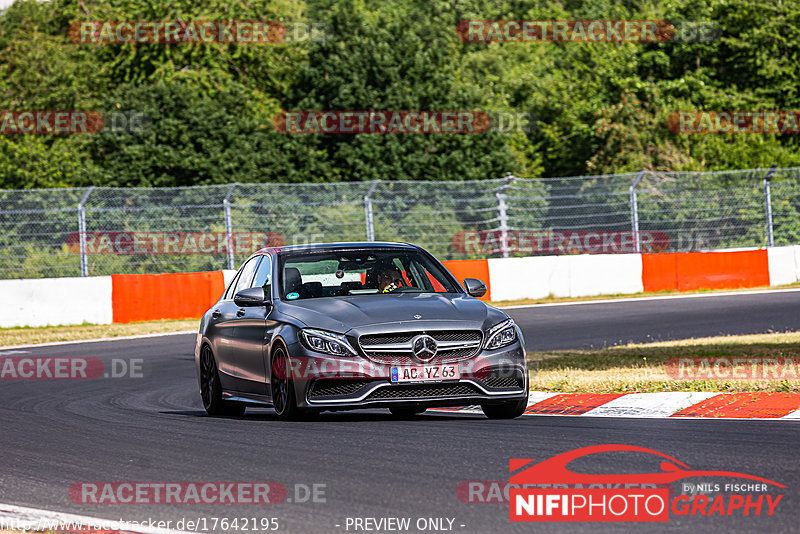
x,y
99,230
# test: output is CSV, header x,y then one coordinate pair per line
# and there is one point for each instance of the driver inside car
x,y
389,279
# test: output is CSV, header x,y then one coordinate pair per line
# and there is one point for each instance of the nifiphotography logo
x,y
549,491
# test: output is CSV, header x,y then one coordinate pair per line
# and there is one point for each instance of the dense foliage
x,y
599,108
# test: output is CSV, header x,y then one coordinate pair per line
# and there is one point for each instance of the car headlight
x,y
326,342
501,335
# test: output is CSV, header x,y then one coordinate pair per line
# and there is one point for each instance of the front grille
x,y
503,380
395,348
457,335
423,391
375,339
335,388
405,337
388,358
453,355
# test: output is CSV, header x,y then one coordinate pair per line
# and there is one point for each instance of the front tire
x,y
282,386
211,388
506,410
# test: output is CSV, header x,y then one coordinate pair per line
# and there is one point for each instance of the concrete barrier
x,y
797,262
565,276
604,274
55,301
783,267
689,271
145,297
528,278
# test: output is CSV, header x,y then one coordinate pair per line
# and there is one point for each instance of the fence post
x,y
768,204
368,211
226,206
502,213
635,211
82,231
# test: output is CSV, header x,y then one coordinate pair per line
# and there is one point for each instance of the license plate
x,y
425,373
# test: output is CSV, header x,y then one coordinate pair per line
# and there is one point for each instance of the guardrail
x,y
140,297
97,231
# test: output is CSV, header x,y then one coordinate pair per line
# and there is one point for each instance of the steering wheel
x,y
397,284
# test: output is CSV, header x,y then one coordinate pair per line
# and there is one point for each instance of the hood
x,y
341,314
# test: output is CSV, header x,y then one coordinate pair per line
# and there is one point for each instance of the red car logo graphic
x,y
554,470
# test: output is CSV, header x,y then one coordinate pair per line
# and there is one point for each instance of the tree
x,y
383,60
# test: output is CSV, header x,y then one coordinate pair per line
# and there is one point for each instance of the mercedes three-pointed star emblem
x,y
424,348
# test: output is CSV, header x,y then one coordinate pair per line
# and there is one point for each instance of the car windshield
x,y
361,272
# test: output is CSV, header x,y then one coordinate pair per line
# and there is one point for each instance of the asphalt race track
x,y
587,325
56,433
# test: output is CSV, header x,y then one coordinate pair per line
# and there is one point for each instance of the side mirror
x,y
474,287
252,296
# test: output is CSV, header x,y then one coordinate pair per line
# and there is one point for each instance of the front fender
x,y
198,344
286,335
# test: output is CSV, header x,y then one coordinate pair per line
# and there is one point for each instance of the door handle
x,y
215,314
240,313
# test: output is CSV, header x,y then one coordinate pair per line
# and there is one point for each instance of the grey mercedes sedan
x,y
340,326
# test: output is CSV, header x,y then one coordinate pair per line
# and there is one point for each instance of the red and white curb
x,y
691,404
14,517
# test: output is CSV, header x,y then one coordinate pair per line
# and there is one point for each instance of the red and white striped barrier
x,y
128,298
607,274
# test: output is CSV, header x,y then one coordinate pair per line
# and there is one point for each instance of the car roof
x,y
327,247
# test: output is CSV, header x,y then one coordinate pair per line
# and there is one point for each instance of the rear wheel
x,y
506,410
283,397
406,411
211,390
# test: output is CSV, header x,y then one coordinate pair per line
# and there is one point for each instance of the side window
x,y
264,275
229,293
246,275
426,279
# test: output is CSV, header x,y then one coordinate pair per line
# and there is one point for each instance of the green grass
x,y
45,334
641,368
551,299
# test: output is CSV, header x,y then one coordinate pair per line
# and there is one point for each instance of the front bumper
x,y
330,383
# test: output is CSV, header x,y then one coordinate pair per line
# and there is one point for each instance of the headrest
x,y
291,279
312,289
